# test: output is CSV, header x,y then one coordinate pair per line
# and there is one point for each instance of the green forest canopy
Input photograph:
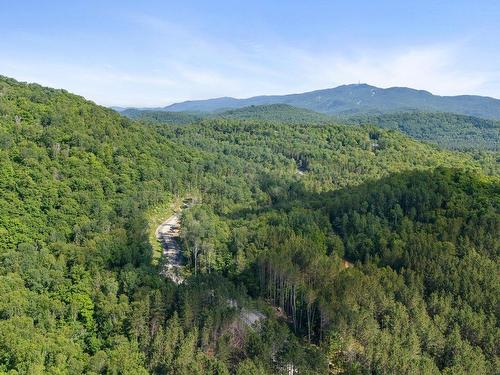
x,y
447,130
281,206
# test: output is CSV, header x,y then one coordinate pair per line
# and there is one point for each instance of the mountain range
x,y
356,99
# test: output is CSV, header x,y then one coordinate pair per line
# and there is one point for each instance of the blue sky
x,y
153,53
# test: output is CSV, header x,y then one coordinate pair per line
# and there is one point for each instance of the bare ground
x,y
168,234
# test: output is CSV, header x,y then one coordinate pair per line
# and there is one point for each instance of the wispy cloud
x,y
435,68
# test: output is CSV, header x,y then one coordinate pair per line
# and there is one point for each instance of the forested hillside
x,y
272,113
76,282
277,113
163,117
281,210
448,130
422,294
323,157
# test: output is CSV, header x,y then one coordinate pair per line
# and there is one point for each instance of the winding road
x,y
171,263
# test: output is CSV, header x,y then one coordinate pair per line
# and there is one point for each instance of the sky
x,y
154,53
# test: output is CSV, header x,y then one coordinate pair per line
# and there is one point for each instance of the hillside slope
x,y
283,113
274,112
163,117
448,130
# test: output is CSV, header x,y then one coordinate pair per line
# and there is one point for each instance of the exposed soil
x,y
171,263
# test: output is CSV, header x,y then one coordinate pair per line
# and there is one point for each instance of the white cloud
x,y
433,68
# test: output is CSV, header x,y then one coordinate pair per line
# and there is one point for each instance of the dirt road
x,y
168,234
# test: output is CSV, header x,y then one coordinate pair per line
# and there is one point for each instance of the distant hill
x,y
278,113
163,117
118,109
448,130
357,99
283,113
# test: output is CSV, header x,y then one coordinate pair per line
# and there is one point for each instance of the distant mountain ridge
x,y
356,99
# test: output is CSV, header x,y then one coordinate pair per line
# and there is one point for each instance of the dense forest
x,y
446,130
163,117
360,250
271,113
